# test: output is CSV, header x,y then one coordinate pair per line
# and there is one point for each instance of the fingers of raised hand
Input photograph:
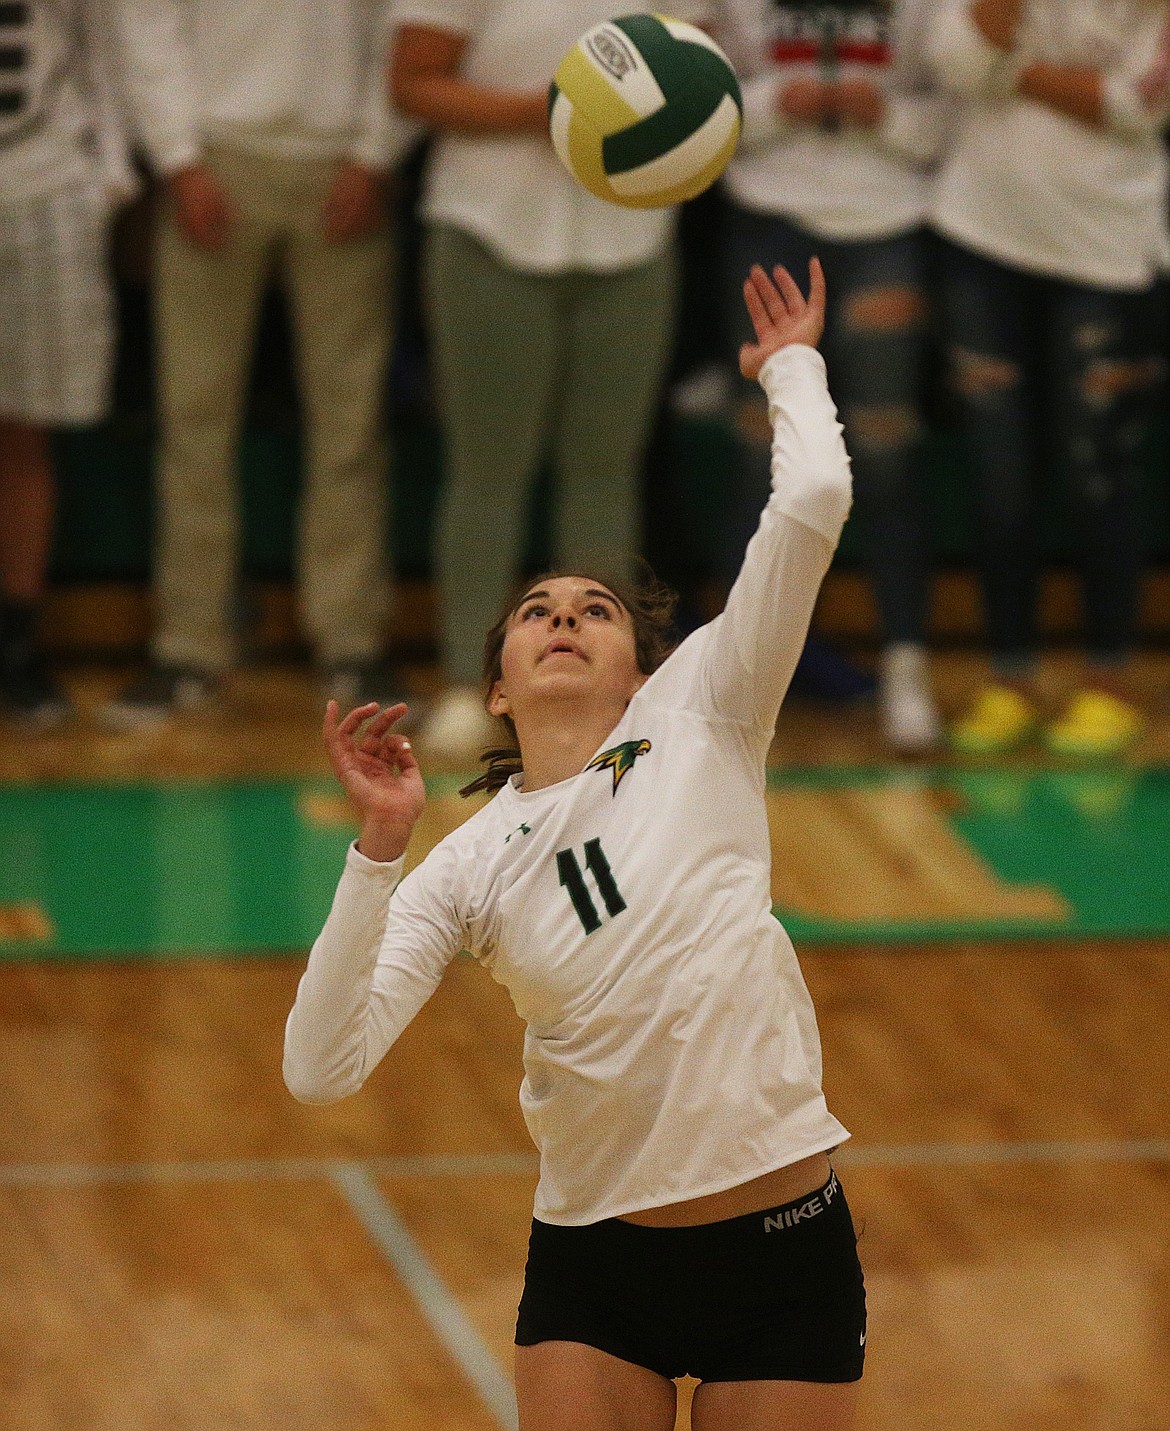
x,y
774,304
384,719
354,719
755,307
816,285
789,291
396,751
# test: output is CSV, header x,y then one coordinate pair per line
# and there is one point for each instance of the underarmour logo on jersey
x,y
620,759
519,830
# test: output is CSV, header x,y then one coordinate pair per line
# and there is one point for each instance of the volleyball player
x,y
687,1219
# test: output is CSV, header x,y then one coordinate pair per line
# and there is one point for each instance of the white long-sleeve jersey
x,y
671,1046
850,183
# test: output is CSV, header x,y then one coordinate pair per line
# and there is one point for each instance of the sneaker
x,y
907,713
999,719
163,692
29,694
458,728
1095,725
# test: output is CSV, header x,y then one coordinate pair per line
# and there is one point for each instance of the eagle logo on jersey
x,y
620,759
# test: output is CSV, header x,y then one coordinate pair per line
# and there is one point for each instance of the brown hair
x,y
651,605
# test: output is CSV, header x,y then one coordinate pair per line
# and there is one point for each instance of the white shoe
x,y
458,728
907,713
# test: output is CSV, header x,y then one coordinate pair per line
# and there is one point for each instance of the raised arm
x,y
762,629
738,667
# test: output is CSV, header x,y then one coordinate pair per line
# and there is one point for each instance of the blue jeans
x,y
875,346
1044,367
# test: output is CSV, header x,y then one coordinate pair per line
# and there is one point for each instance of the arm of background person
x,y
160,78
384,135
100,60
1131,99
973,48
425,82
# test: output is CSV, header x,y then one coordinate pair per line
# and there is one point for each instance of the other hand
x,y
780,314
806,101
999,21
379,773
203,208
860,103
353,206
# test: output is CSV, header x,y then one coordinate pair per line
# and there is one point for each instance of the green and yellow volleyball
x,y
645,111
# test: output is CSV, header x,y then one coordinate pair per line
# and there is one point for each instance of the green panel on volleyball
x,y
693,91
650,138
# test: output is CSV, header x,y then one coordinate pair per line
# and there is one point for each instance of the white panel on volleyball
x,y
613,55
691,35
558,125
685,159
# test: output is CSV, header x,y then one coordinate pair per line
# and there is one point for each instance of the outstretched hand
x,y
780,314
379,773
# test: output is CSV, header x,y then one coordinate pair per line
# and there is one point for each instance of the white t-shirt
x,y
671,1047
850,184
1039,190
511,191
288,78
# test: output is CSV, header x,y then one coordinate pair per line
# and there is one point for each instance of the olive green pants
x,y
206,308
566,366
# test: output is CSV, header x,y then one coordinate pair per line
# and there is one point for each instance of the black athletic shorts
x,y
770,1296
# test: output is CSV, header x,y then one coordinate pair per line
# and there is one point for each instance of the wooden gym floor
x,y
186,1247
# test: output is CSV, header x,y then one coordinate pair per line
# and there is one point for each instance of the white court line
x,y
438,1305
355,1180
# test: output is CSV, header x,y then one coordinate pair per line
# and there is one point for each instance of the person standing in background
x,y
841,126
1053,207
64,167
269,125
551,315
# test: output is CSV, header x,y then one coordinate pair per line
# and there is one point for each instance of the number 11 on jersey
x,y
573,879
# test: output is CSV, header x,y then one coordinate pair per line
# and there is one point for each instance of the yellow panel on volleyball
x,y
589,91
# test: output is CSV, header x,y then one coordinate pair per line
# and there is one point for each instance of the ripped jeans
x,y
1048,369
875,345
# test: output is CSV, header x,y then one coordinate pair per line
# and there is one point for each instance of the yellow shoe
x,y
998,720
1095,726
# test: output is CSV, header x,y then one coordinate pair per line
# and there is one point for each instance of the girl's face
x,y
568,637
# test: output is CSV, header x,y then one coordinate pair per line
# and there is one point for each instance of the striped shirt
x,y
60,112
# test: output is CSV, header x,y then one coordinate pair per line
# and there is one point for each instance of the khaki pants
x,y
568,365
206,307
